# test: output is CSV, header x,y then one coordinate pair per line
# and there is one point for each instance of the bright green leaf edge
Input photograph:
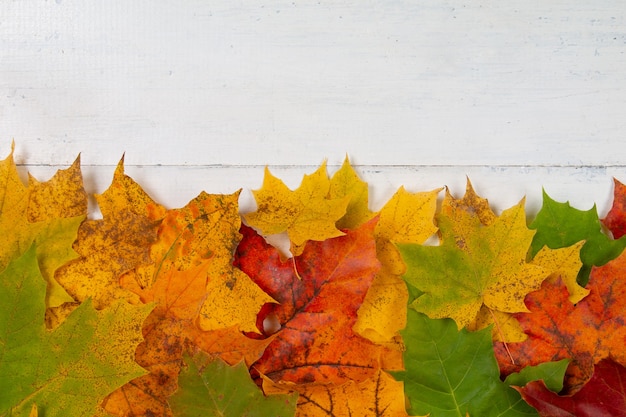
x,y
560,225
450,373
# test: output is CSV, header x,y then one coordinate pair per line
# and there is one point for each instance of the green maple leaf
x,y
559,225
475,265
68,371
452,373
209,387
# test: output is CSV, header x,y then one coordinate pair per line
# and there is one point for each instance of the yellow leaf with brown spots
x,y
475,265
471,203
62,196
206,228
124,192
46,213
115,244
378,396
305,214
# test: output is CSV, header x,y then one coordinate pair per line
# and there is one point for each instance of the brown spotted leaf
x,y
115,244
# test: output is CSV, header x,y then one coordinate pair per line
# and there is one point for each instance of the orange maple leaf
x,y
586,332
203,302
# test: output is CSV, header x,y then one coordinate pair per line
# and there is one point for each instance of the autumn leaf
x,y
206,228
61,203
454,373
346,183
405,218
209,387
559,225
475,265
565,264
169,331
468,209
586,332
549,373
62,196
178,296
69,370
603,395
203,301
47,213
113,245
378,396
615,219
316,314
306,213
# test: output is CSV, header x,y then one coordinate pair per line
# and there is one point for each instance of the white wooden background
x,y
202,94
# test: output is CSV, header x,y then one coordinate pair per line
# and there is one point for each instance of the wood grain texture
x,y
518,93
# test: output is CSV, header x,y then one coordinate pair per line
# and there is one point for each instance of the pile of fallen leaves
x,y
431,306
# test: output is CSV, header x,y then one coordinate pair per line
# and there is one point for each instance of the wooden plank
x,y
189,83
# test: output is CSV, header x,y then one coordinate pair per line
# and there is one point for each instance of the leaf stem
x,y
506,346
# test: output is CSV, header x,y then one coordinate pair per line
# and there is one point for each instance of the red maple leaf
x,y
319,293
586,332
615,219
603,395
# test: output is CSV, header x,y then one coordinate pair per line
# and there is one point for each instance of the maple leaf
x,y
47,213
345,183
117,243
203,302
316,342
476,264
69,370
603,395
565,264
587,332
615,219
377,396
210,387
169,331
305,214
206,228
405,218
62,196
560,225
454,373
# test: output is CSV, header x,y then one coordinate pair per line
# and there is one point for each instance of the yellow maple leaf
x,y
564,263
407,218
305,214
207,228
346,183
117,243
471,203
